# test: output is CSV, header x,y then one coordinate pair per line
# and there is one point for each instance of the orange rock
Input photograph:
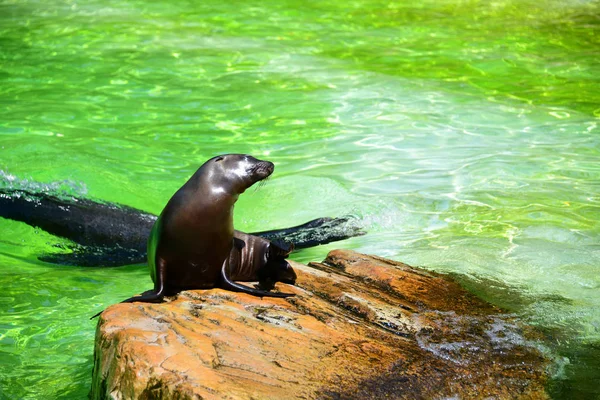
x,y
359,327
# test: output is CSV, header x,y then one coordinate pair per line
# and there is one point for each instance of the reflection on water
x,y
464,135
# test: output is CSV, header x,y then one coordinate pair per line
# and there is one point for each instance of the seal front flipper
x,y
156,295
147,297
152,296
228,284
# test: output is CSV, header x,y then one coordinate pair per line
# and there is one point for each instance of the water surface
x,y
462,134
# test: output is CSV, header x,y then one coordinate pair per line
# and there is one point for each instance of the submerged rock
x,y
359,327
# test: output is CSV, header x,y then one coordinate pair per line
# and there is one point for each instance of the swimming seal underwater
x,y
192,243
107,234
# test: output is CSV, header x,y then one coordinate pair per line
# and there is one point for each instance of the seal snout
x,y
263,169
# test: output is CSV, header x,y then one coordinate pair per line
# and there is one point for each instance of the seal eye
x,y
219,159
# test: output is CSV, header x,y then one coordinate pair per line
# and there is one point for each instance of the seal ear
x,y
280,249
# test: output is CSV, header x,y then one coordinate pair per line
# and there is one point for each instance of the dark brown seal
x,y
191,245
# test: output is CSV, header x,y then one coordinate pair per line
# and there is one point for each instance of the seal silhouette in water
x,y
192,246
103,234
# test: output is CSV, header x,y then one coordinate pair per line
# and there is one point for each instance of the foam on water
x,y
60,188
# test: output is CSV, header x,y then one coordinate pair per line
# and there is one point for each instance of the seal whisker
x,y
261,184
264,181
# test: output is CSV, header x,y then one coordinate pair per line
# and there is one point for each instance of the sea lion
x,y
191,245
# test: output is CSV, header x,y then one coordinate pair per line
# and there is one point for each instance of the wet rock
x,y
359,327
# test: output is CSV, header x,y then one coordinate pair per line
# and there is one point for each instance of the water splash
x,y
28,187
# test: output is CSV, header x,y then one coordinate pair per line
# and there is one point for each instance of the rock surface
x,y
359,327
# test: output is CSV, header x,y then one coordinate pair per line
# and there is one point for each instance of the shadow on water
x,y
16,388
82,378
581,379
513,298
575,372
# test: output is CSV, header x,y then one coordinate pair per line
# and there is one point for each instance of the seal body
x,y
255,259
191,245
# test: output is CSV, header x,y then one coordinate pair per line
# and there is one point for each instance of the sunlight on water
x,y
462,136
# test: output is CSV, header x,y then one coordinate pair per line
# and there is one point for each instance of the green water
x,y
463,135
